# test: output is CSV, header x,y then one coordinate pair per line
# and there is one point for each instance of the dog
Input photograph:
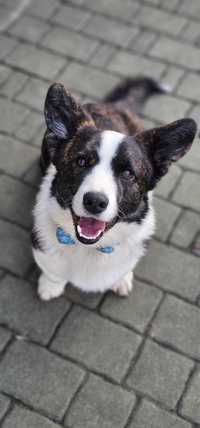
x,y
94,212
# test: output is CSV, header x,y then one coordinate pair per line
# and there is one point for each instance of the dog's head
x,y
104,176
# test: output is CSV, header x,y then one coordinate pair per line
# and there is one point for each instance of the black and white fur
x,y
84,151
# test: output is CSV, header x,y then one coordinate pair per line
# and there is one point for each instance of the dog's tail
x,y
133,92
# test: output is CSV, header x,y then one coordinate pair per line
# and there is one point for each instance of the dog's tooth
x,y
86,236
79,229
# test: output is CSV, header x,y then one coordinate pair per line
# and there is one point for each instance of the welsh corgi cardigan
x,y
94,209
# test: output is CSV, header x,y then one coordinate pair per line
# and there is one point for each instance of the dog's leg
x,y
124,286
51,283
50,288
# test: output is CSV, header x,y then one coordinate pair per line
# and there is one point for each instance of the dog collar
x,y
66,239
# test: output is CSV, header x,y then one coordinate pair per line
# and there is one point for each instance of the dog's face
x,y
104,176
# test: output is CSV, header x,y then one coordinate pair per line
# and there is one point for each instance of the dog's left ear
x,y
167,144
62,113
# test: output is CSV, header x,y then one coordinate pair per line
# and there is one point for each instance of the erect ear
x,y
167,144
62,113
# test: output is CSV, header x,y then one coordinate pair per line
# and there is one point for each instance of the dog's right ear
x,y
167,144
62,113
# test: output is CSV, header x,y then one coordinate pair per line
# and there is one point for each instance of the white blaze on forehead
x,y
101,178
110,141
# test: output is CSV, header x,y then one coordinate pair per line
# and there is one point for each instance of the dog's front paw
x,y
48,289
124,286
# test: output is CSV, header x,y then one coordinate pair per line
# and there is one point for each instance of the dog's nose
x,y
95,202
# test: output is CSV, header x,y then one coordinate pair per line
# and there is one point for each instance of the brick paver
x,y
23,418
102,405
93,361
177,323
151,374
39,378
149,414
136,311
108,355
4,404
191,401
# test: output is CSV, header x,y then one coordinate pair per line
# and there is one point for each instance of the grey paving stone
x,y
10,3
5,336
14,84
154,2
188,186
160,373
191,401
196,249
38,378
135,311
177,53
186,229
16,254
100,405
124,11
5,72
4,17
191,33
36,61
160,20
108,348
177,323
34,93
21,310
166,108
149,415
7,45
166,216
70,43
110,31
173,76
34,274
13,114
90,300
16,157
172,5
42,9
33,174
4,405
96,83
16,201
126,63
29,28
102,55
193,10
192,158
24,418
30,127
148,124
195,113
168,182
143,41
189,87
71,17
38,138
172,269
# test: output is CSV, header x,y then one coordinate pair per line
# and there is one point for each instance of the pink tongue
x,y
91,227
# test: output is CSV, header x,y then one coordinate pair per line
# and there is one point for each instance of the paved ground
x,y
99,362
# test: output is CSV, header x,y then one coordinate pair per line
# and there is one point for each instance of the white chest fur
x,y
80,264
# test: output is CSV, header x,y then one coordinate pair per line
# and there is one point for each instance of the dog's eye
x,y
127,174
81,161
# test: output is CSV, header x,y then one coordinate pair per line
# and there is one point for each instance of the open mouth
x,y
88,229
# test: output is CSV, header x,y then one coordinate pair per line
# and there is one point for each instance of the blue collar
x,y
66,239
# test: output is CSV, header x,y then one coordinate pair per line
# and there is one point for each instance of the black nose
x,y
95,202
